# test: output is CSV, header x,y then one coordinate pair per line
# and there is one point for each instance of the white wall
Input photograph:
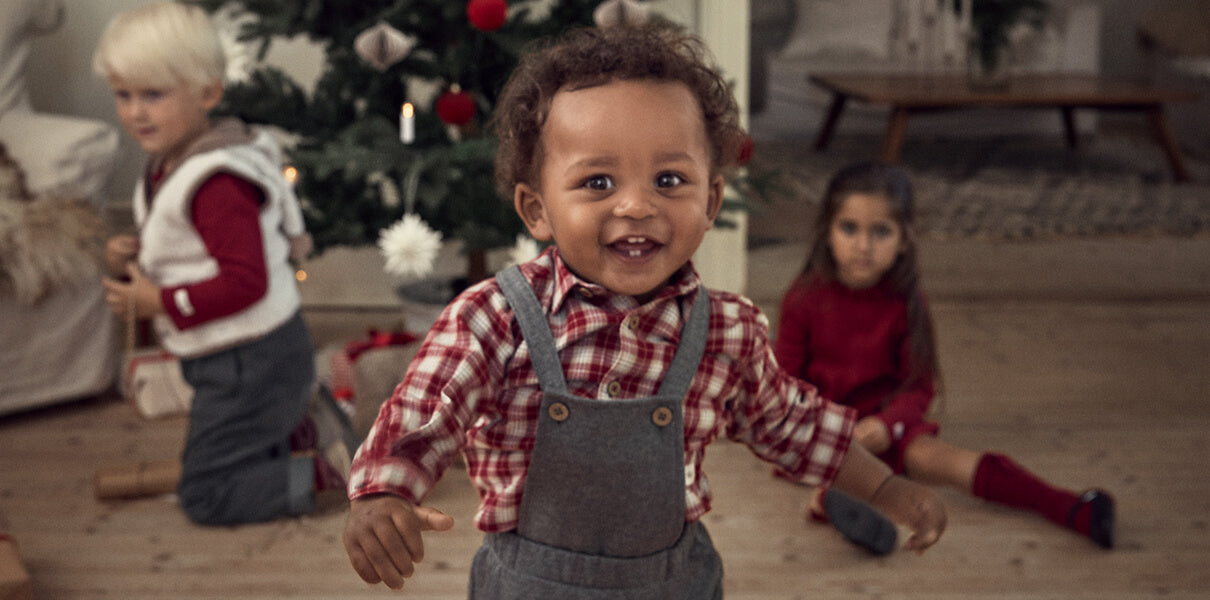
x,y
61,80
722,258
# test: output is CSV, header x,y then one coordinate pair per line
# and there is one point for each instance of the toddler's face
x,y
626,187
866,239
163,120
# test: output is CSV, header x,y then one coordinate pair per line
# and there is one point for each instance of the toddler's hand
x,y
137,289
120,250
382,537
914,505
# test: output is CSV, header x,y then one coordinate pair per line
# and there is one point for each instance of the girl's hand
x,y
914,505
872,434
139,289
382,537
120,250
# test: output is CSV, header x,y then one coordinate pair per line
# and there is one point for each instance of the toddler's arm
x,y
904,501
382,537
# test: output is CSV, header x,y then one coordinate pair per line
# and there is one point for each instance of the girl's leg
x,y
930,460
997,478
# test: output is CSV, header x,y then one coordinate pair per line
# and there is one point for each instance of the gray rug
x,y
1014,188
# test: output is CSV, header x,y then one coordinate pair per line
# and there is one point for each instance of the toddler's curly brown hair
x,y
587,57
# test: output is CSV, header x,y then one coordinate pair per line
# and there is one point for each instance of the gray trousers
x,y
236,466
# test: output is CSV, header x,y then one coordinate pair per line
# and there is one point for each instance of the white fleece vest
x,y
172,253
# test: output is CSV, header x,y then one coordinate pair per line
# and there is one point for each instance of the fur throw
x,y
46,242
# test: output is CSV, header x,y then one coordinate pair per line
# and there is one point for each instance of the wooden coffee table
x,y
908,94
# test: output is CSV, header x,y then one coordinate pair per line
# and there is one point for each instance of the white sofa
x,y
58,340
893,36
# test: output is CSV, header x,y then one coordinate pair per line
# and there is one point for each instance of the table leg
x,y
892,142
1163,135
829,122
1069,125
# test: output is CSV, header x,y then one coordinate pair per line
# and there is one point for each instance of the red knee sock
x,y
999,479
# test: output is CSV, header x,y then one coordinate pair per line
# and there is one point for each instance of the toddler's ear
x,y
718,187
212,94
528,204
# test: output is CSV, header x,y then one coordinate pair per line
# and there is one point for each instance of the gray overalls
x,y
603,510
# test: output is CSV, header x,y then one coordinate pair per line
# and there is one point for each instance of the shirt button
x,y
585,292
558,411
614,389
662,416
632,322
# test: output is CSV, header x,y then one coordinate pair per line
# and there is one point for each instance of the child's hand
x,y
872,433
382,537
120,250
914,505
139,289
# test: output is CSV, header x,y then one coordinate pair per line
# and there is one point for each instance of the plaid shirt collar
x,y
684,281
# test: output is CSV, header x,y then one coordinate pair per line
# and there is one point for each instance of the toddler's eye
x,y
598,182
664,180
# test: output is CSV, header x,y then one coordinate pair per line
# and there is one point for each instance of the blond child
x,y
210,267
855,323
583,387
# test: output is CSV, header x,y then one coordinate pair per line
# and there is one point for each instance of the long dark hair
x,y
893,183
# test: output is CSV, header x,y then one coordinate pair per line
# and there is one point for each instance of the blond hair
x,y
165,44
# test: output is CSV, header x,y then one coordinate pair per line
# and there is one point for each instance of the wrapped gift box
x,y
14,579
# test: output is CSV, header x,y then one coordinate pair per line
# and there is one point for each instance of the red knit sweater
x,y
853,345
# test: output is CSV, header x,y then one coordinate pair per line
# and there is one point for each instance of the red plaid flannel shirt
x,y
471,387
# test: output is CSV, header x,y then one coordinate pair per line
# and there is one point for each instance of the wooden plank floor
x,y
1088,387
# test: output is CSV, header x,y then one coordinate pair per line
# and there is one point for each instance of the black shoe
x,y
1101,521
859,522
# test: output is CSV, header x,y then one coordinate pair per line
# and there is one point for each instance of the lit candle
x,y
407,124
290,174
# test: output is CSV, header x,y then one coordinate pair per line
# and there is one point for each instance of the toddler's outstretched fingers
x,y
426,519
433,519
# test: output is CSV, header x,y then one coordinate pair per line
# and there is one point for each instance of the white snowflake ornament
x,y
409,246
239,56
524,250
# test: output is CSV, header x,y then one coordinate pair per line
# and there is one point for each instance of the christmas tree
x,y
361,167
449,59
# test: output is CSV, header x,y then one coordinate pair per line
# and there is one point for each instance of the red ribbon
x,y
378,339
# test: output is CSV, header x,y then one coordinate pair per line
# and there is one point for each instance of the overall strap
x,y
534,329
690,350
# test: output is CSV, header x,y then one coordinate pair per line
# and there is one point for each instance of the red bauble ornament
x,y
487,15
746,148
455,107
